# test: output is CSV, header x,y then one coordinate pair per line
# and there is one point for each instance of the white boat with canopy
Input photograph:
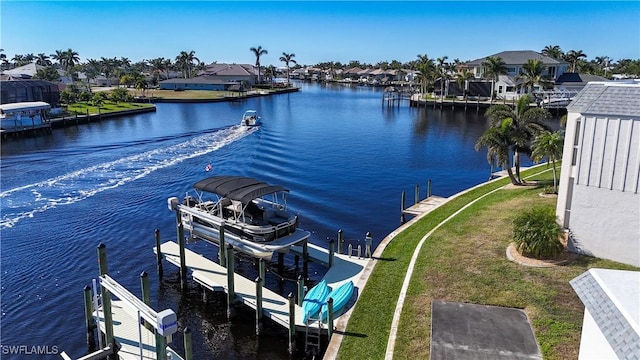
x,y
250,118
254,214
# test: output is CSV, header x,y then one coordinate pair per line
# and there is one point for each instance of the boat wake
x,y
26,201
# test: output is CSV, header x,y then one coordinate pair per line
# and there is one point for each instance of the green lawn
x,y
81,107
465,261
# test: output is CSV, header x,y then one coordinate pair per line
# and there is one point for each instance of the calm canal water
x,y
345,157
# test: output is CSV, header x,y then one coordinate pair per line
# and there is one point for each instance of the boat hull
x,y
314,299
341,296
258,250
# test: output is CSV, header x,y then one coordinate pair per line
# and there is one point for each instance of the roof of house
x,y
229,70
614,98
611,296
518,57
30,69
577,79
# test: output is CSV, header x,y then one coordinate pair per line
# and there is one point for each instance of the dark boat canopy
x,y
237,188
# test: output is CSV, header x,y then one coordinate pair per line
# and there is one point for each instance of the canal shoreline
x,y
66,121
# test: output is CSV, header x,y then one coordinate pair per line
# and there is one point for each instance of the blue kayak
x,y
314,299
341,296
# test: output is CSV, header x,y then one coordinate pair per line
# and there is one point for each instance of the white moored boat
x,y
253,224
250,118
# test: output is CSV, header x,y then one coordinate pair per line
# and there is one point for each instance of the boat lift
x,y
164,322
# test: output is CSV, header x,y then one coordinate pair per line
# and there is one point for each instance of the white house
x,y
507,86
598,200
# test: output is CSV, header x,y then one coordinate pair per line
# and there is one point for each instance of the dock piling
x,y
258,305
429,188
340,241
158,251
231,295
292,324
417,195
88,316
222,248
402,218
188,347
368,240
146,297
330,317
332,250
183,266
106,297
262,271
161,347
300,290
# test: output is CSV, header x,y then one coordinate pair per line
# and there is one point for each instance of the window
x,y
576,141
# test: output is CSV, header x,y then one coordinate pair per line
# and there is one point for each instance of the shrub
x,y
536,232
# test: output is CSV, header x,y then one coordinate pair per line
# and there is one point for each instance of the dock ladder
x,y
312,336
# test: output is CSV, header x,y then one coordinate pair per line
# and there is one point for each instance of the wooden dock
x,y
425,205
128,332
213,276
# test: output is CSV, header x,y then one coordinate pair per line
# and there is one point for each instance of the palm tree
x,y
573,57
158,66
524,124
462,78
442,67
107,66
69,59
3,59
425,68
532,74
92,68
493,68
287,58
603,63
58,56
43,60
259,51
497,141
185,61
553,51
548,145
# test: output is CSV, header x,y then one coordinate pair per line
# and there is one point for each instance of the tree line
x,y
188,64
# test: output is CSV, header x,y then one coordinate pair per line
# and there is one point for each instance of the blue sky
x,y
367,31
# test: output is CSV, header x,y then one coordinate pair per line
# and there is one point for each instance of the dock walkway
x,y
213,276
425,205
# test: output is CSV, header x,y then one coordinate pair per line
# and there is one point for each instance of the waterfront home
x,y
199,83
507,86
598,199
230,73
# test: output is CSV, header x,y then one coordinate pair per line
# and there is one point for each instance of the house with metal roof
x,y
507,86
598,199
